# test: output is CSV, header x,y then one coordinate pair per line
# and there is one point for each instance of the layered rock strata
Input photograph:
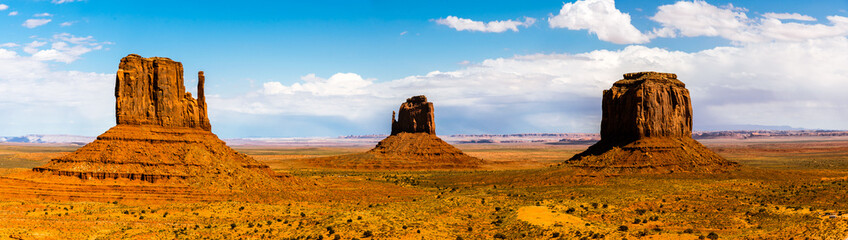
x,y
413,144
646,127
162,133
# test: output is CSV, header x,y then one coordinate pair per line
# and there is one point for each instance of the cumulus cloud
x,y
340,84
797,84
699,18
601,18
39,99
3,7
35,22
13,13
463,24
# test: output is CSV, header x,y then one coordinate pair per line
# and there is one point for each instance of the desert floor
x,y
785,188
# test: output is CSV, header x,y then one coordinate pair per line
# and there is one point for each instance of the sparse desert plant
x,y
623,228
367,233
499,236
712,235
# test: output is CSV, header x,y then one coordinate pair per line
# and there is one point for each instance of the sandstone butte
x,y
412,145
162,138
646,127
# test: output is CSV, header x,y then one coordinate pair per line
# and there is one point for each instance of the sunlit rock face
x,y
647,127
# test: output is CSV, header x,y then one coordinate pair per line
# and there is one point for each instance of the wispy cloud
x,y
65,1
42,15
33,23
789,16
13,13
463,24
67,24
64,47
601,18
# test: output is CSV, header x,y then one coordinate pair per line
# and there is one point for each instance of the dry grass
x,y
783,189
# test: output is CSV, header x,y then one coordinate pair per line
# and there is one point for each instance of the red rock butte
x,y
646,127
412,145
162,136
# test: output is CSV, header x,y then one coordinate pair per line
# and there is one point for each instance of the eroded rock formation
x,y
414,116
413,144
162,133
150,91
646,127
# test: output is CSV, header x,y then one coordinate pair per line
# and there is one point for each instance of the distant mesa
x,y
646,127
162,134
413,144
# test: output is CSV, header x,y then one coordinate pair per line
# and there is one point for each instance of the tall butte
x,y
162,135
647,128
413,144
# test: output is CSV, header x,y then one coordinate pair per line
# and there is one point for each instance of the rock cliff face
x,y
150,91
646,127
413,144
415,116
646,104
162,134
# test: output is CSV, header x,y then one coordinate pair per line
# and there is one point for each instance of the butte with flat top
x,y
162,138
646,127
412,145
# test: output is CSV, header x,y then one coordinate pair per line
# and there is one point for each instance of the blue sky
x,y
303,68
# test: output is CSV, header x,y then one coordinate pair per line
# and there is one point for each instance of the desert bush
x,y
499,236
712,235
367,233
623,228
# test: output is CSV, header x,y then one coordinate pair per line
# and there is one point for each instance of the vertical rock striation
x,y
150,91
414,116
646,126
162,133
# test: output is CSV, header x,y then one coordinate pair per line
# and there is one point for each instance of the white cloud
x,y
3,7
13,13
789,16
67,24
65,1
340,84
33,23
777,83
9,45
64,48
43,100
600,17
42,15
699,18
32,47
462,24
